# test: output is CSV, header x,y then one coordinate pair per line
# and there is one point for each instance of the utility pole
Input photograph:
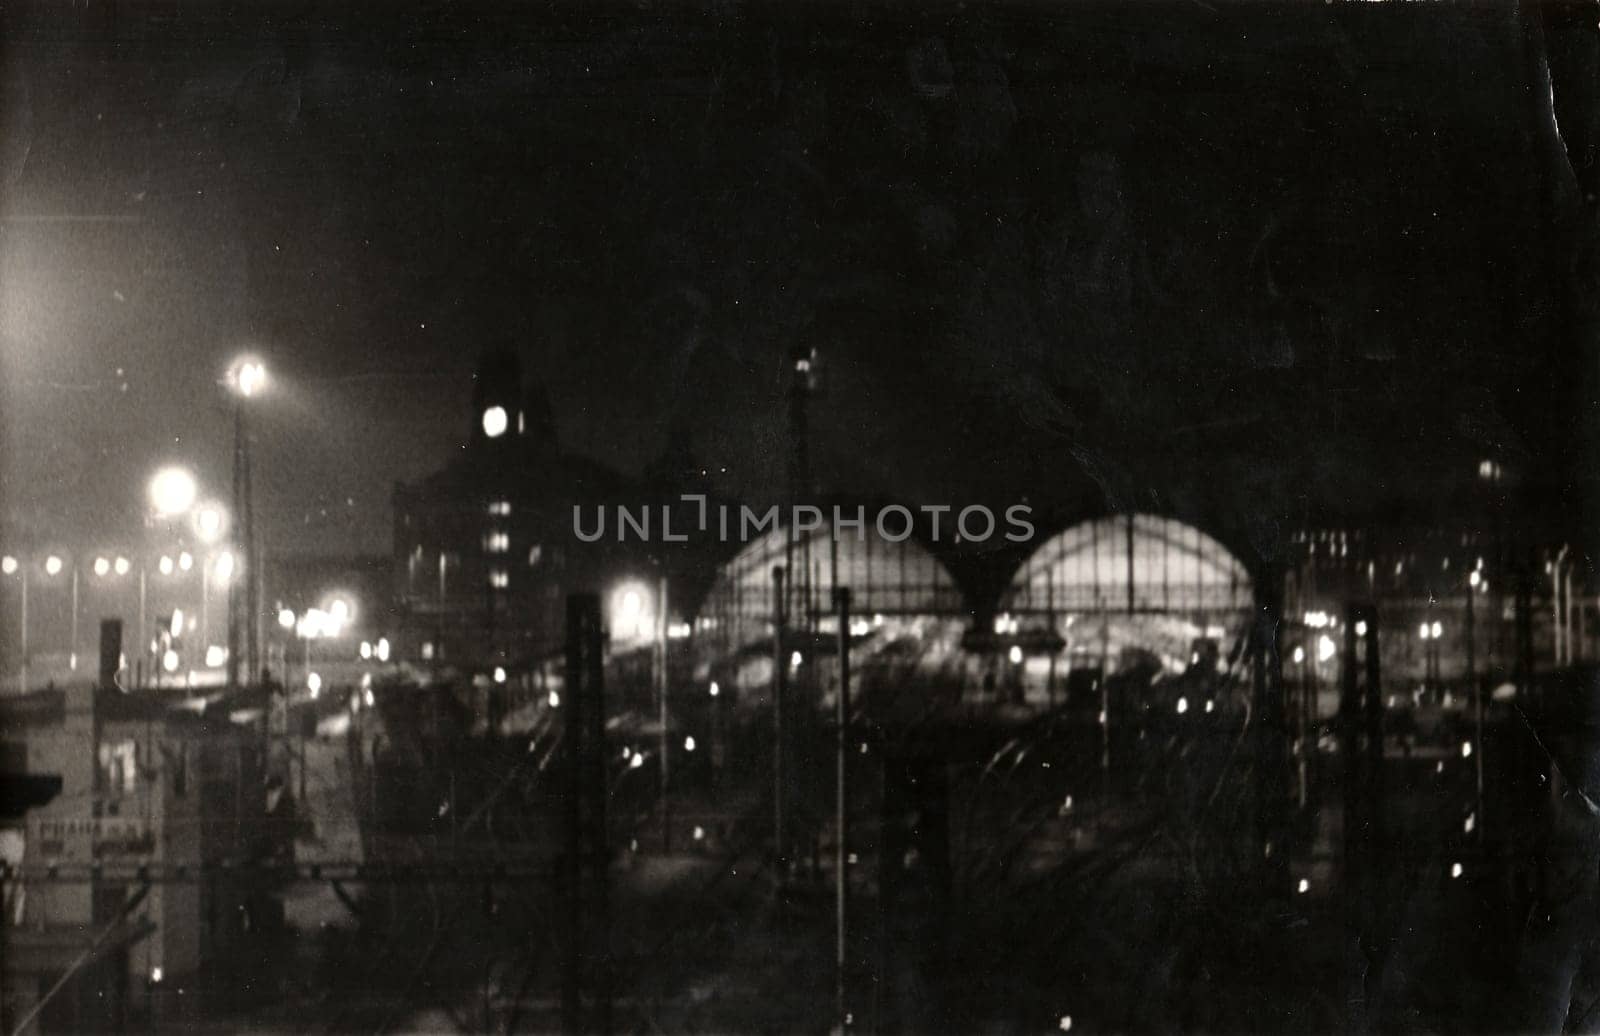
x,y
587,903
661,704
779,662
841,861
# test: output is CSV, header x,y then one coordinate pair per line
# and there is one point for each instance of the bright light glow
x,y
216,654
688,743
636,761
1466,749
1361,628
1438,629
1474,579
248,377
339,611
1424,631
172,492
1470,823
286,618
715,690
366,649
185,561
1066,804
52,565
1325,648
699,833
1455,870
177,622
1316,620
8,565
156,974
121,567
1303,887
1015,654
495,422
208,522
222,568
382,650
1065,1025
1210,705
555,699
1183,705
314,683
169,661
368,696
101,566
165,565
1299,655
499,674
678,630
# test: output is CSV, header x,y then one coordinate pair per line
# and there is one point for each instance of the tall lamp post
x,y
247,378
10,566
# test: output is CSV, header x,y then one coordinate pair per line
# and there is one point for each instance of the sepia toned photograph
x,y
799,517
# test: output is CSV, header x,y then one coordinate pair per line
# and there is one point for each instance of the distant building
x,y
143,784
484,554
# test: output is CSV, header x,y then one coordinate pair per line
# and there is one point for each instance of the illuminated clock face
x,y
494,422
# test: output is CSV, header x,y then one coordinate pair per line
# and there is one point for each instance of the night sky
x,y
1156,255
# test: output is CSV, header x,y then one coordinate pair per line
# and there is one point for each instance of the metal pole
x,y
235,605
72,652
661,702
1477,707
141,632
778,680
23,672
841,861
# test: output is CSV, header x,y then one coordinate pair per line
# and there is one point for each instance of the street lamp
x,y
172,492
11,567
247,378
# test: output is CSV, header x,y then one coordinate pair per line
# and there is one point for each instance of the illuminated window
x,y
535,552
119,767
427,650
497,542
499,579
499,508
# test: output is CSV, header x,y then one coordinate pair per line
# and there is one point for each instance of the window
x,y
535,552
499,508
497,542
119,767
499,579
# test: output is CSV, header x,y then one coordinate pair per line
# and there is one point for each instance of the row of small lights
x,y
105,567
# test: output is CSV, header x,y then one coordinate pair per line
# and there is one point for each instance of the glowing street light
x,y
8,565
286,619
495,422
382,649
248,377
222,568
209,522
185,561
165,565
52,565
172,492
102,566
121,566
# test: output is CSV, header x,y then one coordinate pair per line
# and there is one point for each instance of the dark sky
x,y
1169,254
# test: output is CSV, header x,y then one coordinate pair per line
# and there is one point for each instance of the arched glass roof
x,y
1132,563
884,578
